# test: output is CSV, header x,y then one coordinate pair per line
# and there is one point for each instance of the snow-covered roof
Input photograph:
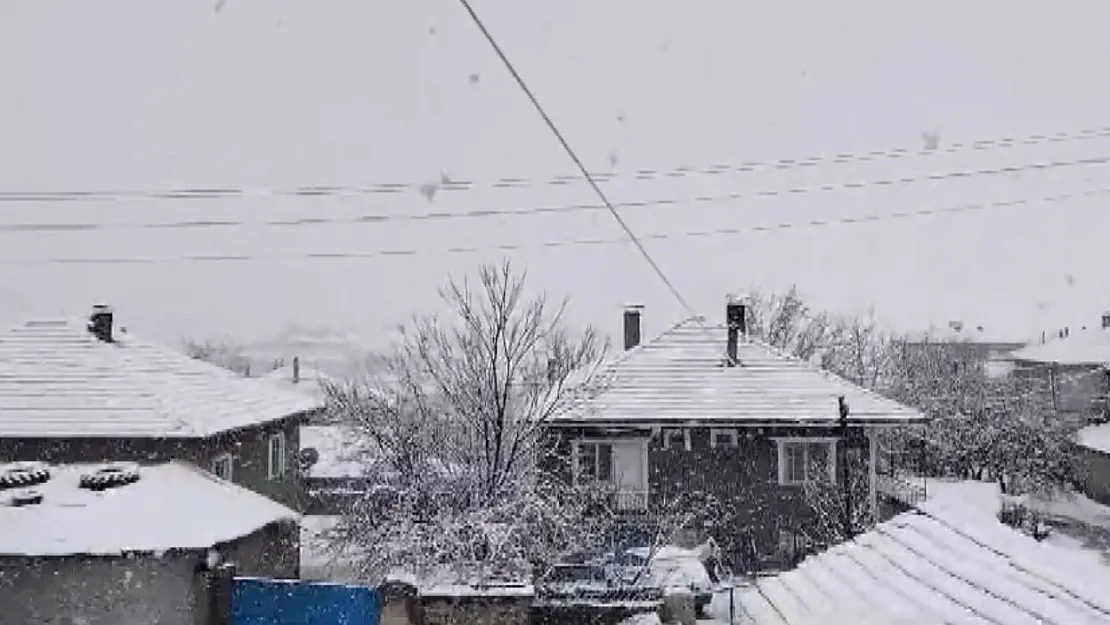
x,y
58,380
680,377
1096,437
935,566
172,506
342,450
1083,347
309,379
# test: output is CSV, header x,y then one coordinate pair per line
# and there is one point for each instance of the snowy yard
x,y
1079,523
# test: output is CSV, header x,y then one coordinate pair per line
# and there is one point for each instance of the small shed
x,y
124,544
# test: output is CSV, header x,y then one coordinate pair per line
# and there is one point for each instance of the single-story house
x,y
1074,368
88,390
708,408
124,543
931,566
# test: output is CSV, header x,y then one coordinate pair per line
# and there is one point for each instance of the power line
x,y
815,223
445,183
574,156
374,218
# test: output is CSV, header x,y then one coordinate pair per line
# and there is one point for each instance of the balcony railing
x,y
630,500
622,500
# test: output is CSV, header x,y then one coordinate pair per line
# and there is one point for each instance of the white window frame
x,y
666,432
230,460
576,451
781,444
276,472
717,433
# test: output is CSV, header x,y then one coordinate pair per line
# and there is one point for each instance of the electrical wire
x,y
566,208
814,223
445,183
574,156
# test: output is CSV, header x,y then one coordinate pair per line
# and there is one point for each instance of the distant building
x,y
969,343
1074,367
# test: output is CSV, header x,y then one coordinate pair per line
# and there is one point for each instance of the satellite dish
x,y
308,456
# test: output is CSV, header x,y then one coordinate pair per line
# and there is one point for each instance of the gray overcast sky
x,y
136,94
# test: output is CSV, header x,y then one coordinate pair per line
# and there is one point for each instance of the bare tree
x,y
786,321
455,421
224,354
861,351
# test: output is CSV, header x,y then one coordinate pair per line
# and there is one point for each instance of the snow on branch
x,y
454,426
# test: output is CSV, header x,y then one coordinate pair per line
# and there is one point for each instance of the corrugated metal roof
x,y
57,380
680,376
935,566
1085,347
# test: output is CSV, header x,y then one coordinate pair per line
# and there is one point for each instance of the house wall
x,y
249,446
753,508
136,590
100,591
1079,390
1093,473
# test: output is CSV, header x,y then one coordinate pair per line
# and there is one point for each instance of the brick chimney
x,y
100,323
632,325
296,369
736,318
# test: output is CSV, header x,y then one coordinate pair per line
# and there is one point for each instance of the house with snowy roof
x,y
129,543
707,408
88,390
1075,367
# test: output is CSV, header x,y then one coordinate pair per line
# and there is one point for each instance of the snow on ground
x,y
965,496
1079,522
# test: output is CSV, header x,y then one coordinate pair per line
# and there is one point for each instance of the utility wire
x,y
574,156
815,223
365,218
446,183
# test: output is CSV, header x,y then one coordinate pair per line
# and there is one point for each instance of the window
x,y
676,438
223,466
276,464
806,460
594,463
722,439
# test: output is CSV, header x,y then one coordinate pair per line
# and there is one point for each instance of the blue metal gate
x,y
292,602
